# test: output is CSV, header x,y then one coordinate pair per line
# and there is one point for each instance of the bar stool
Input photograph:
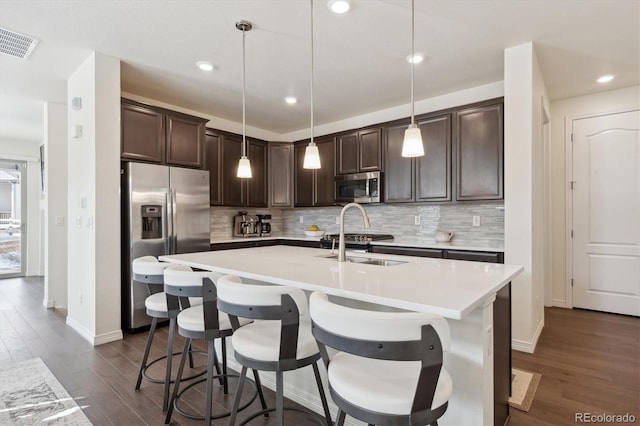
x,y
148,270
282,342
388,368
202,322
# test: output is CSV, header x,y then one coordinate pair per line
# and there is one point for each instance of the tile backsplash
x,y
395,219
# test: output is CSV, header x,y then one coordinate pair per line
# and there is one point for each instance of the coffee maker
x,y
245,225
265,224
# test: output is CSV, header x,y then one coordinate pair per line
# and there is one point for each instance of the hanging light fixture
x,y
311,154
412,145
244,166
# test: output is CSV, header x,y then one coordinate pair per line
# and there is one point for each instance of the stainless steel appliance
x,y
245,225
353,241
265,225
359,188
165,210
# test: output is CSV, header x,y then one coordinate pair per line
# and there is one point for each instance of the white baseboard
x,y
111,336
48,304
101,339
529,347
559,303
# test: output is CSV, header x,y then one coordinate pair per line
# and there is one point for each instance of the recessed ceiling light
x,y
417,58
291,100
204,65
605,78
339,6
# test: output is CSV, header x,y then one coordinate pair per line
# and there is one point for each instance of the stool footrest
x,y
160,381
321,420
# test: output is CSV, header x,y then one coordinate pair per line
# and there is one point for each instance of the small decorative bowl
x,y
314,233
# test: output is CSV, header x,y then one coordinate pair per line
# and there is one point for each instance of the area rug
x,y
523,388
30,394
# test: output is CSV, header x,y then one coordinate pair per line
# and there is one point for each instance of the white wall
x,y
562,113
55,205
525,95
30,153
94,201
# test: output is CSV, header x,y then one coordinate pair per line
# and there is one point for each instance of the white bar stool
x,y
149,271
388,368
281,342
202,322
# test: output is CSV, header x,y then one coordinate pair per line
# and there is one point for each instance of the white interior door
x,y
606,213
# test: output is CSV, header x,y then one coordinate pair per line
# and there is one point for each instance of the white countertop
x,y
488,245
450,288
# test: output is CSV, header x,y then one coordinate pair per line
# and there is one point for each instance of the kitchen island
x,y
463,292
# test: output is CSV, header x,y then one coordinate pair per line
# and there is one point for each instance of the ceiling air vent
x,y
15,44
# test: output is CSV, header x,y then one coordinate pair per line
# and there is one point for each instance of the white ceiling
x,y
360,63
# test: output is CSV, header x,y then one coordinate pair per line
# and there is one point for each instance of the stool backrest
x,y
265,302
393,336
148,270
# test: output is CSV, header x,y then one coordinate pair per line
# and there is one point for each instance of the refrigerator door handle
x,y
174,221
166,223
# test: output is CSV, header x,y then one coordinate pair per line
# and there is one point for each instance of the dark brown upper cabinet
x,y
479,152
222,152
419,179
359,151
158,135
315,187
213,163
280,174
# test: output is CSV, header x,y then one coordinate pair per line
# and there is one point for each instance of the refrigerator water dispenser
x,y
151,222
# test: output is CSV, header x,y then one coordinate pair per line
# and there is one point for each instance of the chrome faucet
x,y
342,249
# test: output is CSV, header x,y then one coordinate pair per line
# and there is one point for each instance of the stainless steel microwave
x,y
359,187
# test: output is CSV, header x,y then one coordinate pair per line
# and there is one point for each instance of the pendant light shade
x,y
244,166
412,145
311,154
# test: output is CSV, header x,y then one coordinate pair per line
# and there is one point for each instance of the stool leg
x,y
167,377
217,365
260,394
340,417
236,401
225,382
190,357
323,397
279,398
209,399
143,364
176,386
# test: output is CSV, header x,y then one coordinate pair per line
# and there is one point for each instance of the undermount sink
x,y
367,260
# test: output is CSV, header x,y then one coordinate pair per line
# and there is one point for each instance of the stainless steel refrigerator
x,y
165,210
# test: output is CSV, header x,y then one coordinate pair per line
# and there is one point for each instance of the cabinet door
x,y
304,178
325,176
479,147
184,140
280,174
347,154
257,195
433,170
142,135
213,163
398,170
232,186
370,150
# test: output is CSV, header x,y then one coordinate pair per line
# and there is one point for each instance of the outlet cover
x,y
301,219
416,220
476,221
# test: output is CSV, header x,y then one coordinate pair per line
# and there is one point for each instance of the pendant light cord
x,y
244,130
413,120
311,72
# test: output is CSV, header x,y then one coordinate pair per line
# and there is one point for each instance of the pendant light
x,y
244,166
311,154
412,145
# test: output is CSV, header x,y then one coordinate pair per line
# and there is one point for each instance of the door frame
x,y
568,128
22,165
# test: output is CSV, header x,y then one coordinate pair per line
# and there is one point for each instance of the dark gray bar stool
x,y
282,342
388,368
149,271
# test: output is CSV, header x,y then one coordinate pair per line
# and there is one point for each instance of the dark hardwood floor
x,y
589,361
